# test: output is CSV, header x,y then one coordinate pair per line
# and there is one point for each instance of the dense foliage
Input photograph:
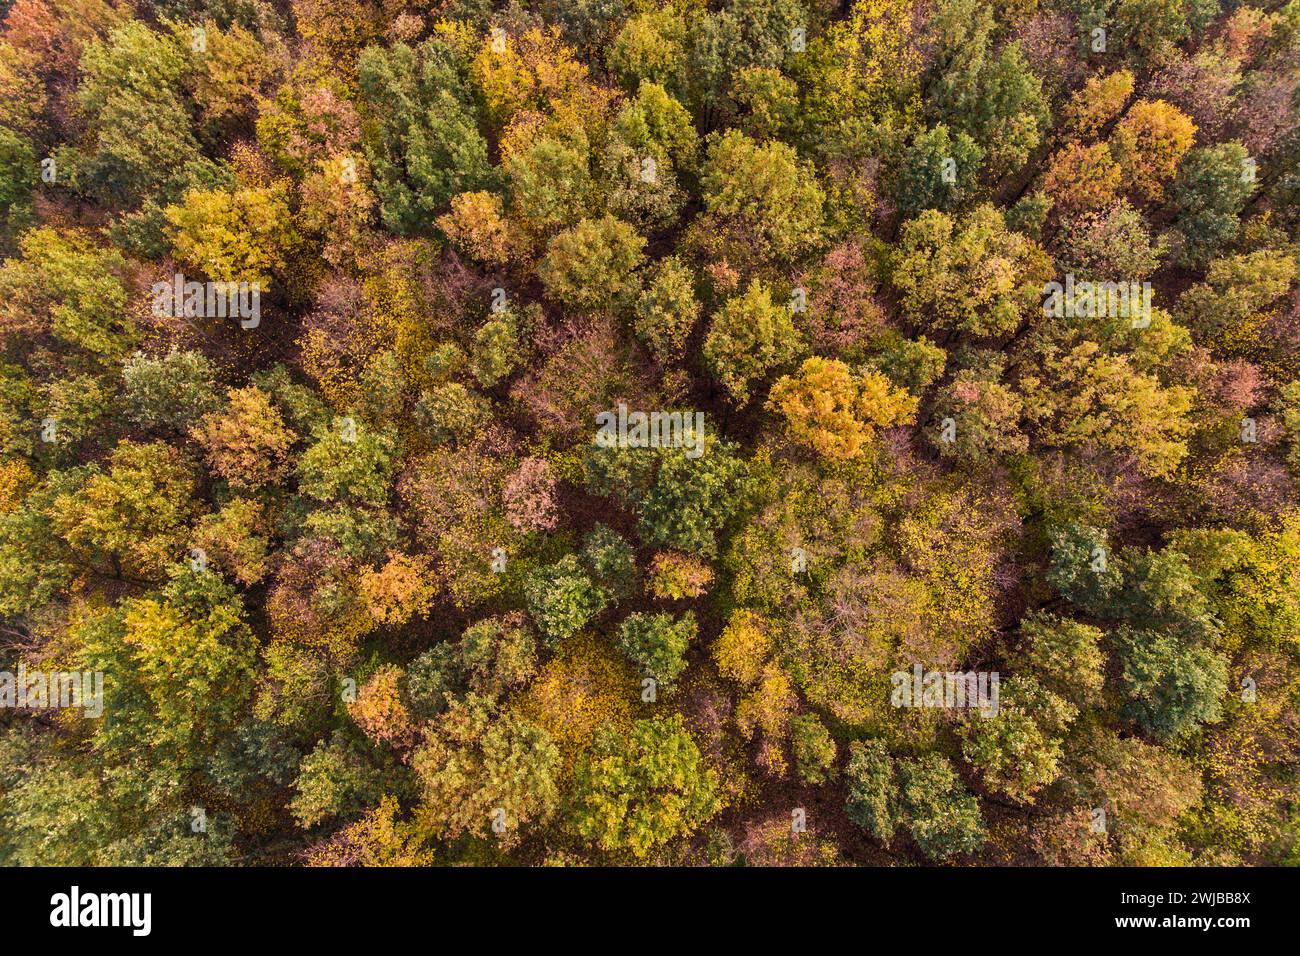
x,y
626,406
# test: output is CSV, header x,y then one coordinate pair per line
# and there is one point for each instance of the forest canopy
x,y
588,432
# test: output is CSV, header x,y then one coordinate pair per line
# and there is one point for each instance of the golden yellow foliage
x,y
676,576
16,479
1148,144
766,711
585,684
1100,101
247,442
240,235
398,313
835,412
1081,178
530,71
377,839
402,589
743,647
477,225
